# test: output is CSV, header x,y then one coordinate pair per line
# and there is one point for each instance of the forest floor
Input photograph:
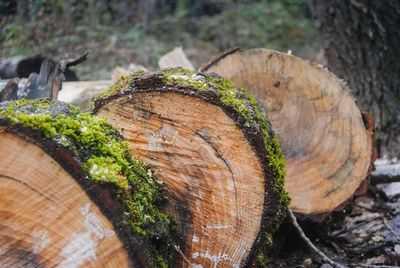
x,y
369,236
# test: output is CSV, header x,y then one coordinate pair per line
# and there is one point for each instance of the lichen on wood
x,y
106,160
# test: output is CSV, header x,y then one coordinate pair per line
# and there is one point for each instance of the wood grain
x,y
214,182
81,93
46,218
319,127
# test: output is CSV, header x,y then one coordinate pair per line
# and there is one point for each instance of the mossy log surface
x,y
212,147
71,195
326,141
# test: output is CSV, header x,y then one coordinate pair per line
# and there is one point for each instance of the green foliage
x,y
272,24
107,160
14,36
145,30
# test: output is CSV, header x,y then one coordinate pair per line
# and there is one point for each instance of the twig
x,y
391,229
65,63
177,248
78,60
382,178
309,243
366,249
376,266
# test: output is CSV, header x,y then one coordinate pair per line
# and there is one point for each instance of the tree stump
x,y
326,141
71,195
213,149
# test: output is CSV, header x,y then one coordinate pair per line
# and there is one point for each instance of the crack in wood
x,y
27,185
151,113
229,168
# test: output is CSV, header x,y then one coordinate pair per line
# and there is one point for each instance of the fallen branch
x,y
376,266
322,255
44,77
387,171
382,178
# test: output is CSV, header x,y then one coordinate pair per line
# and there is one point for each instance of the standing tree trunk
x,y
361,41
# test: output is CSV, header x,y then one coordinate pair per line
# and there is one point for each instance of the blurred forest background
x,y
119,32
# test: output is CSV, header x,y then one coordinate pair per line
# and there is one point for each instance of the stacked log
x,y
213,148
326,140
72,196
212,193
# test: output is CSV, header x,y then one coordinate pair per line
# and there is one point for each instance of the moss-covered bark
x,y
100,159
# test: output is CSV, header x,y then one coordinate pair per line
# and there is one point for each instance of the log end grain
x,y
80,155
215,152
320,129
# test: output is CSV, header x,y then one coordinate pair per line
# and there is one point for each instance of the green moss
x,y
107,160
254,115
262,257
239,100
228,94
122,82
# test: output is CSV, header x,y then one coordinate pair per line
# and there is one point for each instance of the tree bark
x,y
362,46
23,67
215,154
326,141
71,195
44,84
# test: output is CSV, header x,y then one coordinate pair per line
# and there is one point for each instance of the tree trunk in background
x,y
361,42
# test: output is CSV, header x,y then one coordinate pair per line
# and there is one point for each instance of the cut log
x,y
214,151
175,58
23,66
132,68
326,141
82,93
45,77
72,196
45,84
